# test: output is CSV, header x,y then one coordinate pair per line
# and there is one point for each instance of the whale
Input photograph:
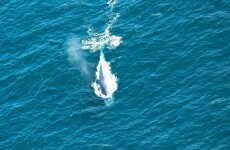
x,y
104,79
106,82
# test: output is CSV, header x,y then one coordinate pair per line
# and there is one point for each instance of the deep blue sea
x,y
171,59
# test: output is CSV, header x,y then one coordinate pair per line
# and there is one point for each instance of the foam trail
x,y
75,55
111,3
98,41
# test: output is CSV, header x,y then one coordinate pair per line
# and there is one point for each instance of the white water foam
x,y
104,69
111,3
98,41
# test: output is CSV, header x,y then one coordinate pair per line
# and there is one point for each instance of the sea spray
x,y
75,56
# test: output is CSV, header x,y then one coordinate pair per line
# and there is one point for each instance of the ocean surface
x,y
168,62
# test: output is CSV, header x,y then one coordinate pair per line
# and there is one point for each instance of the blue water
x,y
173,70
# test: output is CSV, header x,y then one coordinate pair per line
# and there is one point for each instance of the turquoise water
x,y
172,65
